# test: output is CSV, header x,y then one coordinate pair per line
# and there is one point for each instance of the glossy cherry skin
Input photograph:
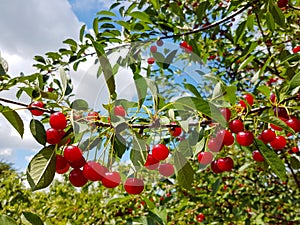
x,y
226,113
257,156
37,112
160,152
111,179
72,153
175,131
293,123
134,186
295,149
297,48
153,49
214,167
278,143
159,42
119,111
151,163
61,165
78,164
281,112
205,158
244,138
225,164
225,136
93,116
166,169
200,217
53,136
282,3
248,98
77,178
94,171
150,60
236,126
268,135
58,121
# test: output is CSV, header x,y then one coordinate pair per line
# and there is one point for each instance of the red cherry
x,y
257,156
36,112
76,178
151,163
153,49
293,123
93,116
268,136
111,179
61,166
53,136
225,164
249,98
78,164
211,57
186,47
236,126
58,121
226,113
214,145
205,158
278,143
200,217
295,149
296,49
175,131
281,112
150,60
166,169
134,186
159,42
245,138
160,152
72,153
119,111
225,136
273,98
94,171
214,167
50,89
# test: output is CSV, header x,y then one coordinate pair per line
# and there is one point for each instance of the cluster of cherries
x,y
225,137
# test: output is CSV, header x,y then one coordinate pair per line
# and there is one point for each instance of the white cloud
x,y
88,5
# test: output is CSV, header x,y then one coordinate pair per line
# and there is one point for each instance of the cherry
x,y
282,3
267,135
226,113
225,136
296,49
36,112
111,179
293,123
78,164
58,121
93,116
134,186
119,111
153,49
160,152
166,169
295,149
214,145
214,167
76,178
94,171
53,136
281,112
225,164
249,98
200,217
150,60
257,156
187,48
278,143
273,98
205,157
151,163
245,138
236,126
61,165
72,153
159,42
175,131
211,57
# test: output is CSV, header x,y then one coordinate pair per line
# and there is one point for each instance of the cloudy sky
x,y
30,28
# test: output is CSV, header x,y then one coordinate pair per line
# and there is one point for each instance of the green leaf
x,y
6,220
154,92
141,16
138,151
264,90
246,62
185,146
155,4
295,163
118,199
277,122
64,80
107,69
38,131
80,104
41,169
295,82
106,13
184,171
230,94
216,186
29,218
201,105
192,89
141,87
201,9
270,21
240,31
96,25
119,145
169,59
276,164
14,119
81,33
277,15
